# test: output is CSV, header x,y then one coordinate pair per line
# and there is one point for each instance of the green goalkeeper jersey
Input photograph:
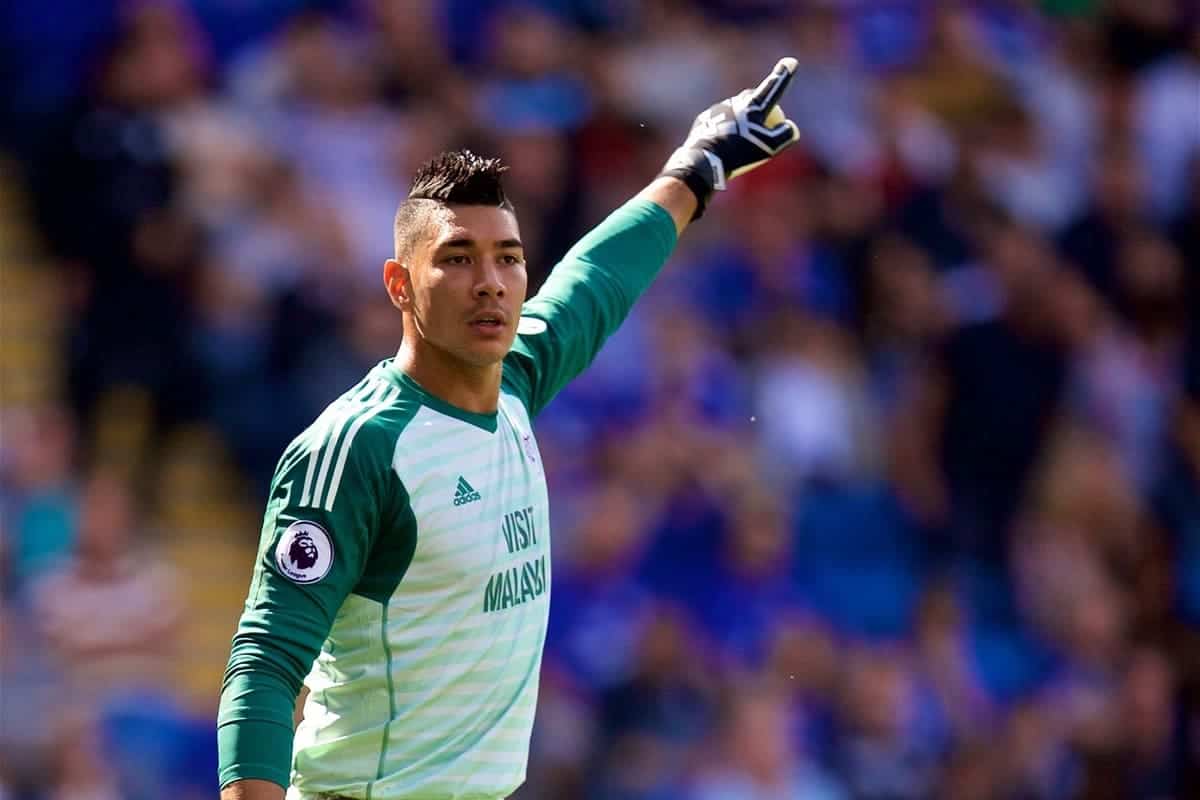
x,y
404,568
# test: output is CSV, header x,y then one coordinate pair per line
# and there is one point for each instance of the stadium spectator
x,y
756,758
111,614
39,500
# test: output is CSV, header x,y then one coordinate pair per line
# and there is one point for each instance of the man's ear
x,y
398,281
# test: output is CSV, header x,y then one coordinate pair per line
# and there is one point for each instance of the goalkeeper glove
x,y
735,136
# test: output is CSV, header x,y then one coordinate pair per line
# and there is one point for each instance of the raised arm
x,y
675,198
592,290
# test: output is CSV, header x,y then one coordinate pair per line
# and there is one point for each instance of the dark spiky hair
x,y
457,177
460,177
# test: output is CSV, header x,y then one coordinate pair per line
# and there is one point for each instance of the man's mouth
x,y
488,320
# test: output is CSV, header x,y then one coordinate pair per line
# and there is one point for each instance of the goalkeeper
x,y
404,571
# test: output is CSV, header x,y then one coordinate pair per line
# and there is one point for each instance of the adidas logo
x,y
465,493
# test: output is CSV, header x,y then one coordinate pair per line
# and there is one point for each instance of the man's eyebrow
x,y
503,244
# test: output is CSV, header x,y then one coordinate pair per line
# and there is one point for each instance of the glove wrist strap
x,y
698,171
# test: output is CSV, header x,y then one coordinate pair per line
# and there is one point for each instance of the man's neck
x,y
466,386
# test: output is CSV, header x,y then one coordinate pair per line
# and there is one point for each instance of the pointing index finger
x,y
775,84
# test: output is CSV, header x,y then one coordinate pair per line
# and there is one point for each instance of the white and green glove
x,y
735,136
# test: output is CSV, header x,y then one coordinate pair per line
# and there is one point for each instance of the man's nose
x,y
489,282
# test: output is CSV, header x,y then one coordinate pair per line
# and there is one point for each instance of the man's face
x,y
465,282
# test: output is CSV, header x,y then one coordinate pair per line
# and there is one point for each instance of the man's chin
x,y
486,354
483,352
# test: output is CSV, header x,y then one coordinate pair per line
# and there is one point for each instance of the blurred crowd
x,y
888,489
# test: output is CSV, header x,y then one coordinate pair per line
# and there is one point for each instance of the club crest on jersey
x,y
304,552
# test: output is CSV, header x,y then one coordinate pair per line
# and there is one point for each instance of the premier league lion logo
x,y
304,552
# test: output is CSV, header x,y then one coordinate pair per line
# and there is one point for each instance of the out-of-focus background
x,y
889,489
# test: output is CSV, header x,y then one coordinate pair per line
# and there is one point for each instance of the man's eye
x,y
511,259
459,259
